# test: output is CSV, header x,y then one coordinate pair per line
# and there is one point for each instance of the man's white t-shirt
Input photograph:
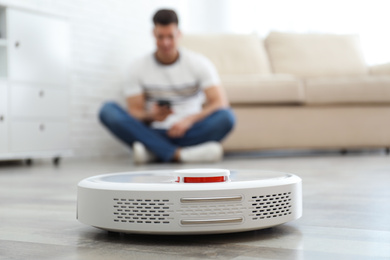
x,y
182,83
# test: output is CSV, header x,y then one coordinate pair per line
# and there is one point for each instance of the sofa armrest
x,y
381,69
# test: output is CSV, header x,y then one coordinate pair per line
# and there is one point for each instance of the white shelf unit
x,y
34,92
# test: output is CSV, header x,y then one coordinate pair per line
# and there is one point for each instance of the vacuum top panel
x,y
194,179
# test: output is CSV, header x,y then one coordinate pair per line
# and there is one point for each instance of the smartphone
x,y
164,103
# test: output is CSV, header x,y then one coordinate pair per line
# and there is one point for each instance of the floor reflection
x,y
280,241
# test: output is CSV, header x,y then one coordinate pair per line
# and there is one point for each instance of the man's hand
x,y
180,128
160,113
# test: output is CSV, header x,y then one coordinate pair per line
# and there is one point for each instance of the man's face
x,y
167,38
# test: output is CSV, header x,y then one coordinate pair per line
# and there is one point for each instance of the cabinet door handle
x,y
1,118
17,44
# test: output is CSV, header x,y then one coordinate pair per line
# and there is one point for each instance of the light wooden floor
x,y
346,213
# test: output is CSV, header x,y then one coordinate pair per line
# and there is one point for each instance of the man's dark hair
x,y
165,17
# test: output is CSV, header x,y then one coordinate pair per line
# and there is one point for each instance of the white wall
x,y
202,16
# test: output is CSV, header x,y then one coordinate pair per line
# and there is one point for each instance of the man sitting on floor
x,y
166,119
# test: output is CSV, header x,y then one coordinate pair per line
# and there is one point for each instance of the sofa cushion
x,y
315,55
231,54
381,69
348,90
263,89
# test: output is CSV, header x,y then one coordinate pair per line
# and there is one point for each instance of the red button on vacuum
x,y
202,175
204,179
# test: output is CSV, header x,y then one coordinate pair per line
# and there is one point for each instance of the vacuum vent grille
x,y
271,206
211,210
142,211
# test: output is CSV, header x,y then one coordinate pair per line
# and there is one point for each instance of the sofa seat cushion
x,y
231,53
348,90
315,55
261,89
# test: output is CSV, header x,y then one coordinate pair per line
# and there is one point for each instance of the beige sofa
x,y
292,91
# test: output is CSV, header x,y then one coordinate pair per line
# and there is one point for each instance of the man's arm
x,y
215,99
136,108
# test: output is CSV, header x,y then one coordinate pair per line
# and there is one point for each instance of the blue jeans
x,y
128,129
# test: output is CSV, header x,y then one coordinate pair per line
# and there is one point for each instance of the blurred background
x,y
106,35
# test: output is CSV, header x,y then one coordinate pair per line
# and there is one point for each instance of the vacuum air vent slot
x,y
270,206
211,199
142,211
211,221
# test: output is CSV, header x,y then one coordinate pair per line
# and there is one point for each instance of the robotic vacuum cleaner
x,y
191,201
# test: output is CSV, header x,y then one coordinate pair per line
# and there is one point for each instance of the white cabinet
x,y
27,100
34,98
38,136
3,117
3,44
38,47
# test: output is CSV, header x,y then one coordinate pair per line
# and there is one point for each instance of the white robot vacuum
x,y
192,201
